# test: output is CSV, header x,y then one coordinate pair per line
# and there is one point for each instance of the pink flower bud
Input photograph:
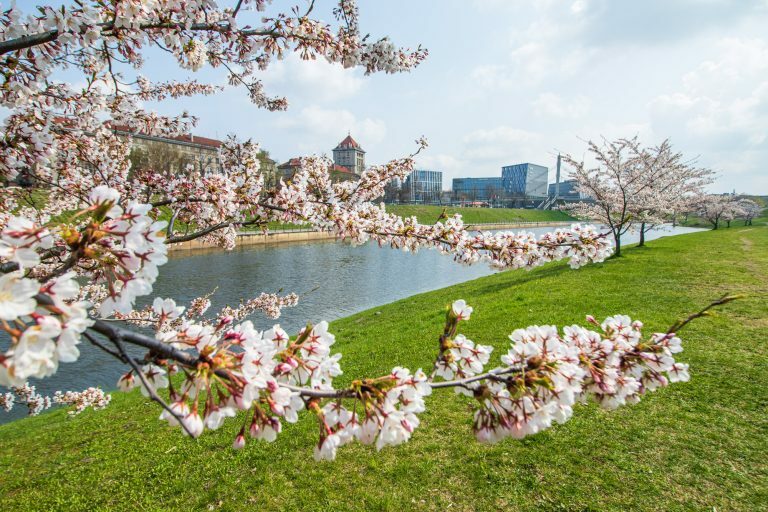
x,y
239,443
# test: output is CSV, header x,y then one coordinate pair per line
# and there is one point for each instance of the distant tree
x,y
634,185
158,157
670,184
268,169
717,208
392,192
748,210
494,194
613,186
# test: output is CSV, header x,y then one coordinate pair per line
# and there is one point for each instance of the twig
x,y
105,348
152,393
725,299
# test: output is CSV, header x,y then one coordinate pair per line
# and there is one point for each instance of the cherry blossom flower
x,y
20,241
16,296
461,310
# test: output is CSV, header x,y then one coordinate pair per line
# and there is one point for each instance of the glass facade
x,y
478,189
528,180
424,186
567,190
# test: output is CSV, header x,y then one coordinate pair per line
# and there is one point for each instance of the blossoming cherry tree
x,y
79,250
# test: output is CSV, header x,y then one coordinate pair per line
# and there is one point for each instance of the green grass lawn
x,y
429,214
699,445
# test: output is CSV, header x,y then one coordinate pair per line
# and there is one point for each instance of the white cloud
x,y
315,127
722,108
317,79
449,164
501,144
553,105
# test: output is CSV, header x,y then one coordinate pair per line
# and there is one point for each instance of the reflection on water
x,y
332,279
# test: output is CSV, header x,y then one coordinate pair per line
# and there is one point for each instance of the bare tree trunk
x,y
617,244
642,235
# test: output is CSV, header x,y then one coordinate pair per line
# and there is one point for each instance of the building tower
x,y
349,154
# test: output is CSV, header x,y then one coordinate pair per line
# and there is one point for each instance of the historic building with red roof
x,y
349,154
338,172
202,152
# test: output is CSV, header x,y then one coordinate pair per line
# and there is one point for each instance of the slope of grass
x,y
429,214
699,445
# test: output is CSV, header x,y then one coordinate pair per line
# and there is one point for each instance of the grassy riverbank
x,y
694,446
429,214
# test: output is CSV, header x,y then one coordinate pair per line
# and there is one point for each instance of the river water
x,y
333,280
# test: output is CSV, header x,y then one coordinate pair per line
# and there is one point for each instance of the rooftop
x,y
349,143
188,138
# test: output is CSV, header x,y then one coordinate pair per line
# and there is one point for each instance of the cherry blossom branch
x,y
706,311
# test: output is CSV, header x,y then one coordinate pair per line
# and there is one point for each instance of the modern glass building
x,y
478,189
424,186
567,190
529,180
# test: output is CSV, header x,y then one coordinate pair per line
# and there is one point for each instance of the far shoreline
x,y
247,238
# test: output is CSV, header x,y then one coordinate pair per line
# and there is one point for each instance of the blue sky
x,y
512,81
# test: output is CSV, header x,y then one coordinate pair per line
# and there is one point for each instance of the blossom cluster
x,y
239,368
43,324
273,377
36,403
81,400
28,396
390,407
128,247
21,240
164,315
545,373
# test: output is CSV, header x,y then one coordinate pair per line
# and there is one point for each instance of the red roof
x,y
293,162
348,143
190,139
341,168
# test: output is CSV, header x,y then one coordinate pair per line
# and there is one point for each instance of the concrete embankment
x,y
517,225
272,237
305,235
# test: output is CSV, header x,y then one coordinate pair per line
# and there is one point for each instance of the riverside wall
x,y
307,235
257,238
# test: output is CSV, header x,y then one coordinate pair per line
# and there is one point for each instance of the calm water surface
x,y
333,280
